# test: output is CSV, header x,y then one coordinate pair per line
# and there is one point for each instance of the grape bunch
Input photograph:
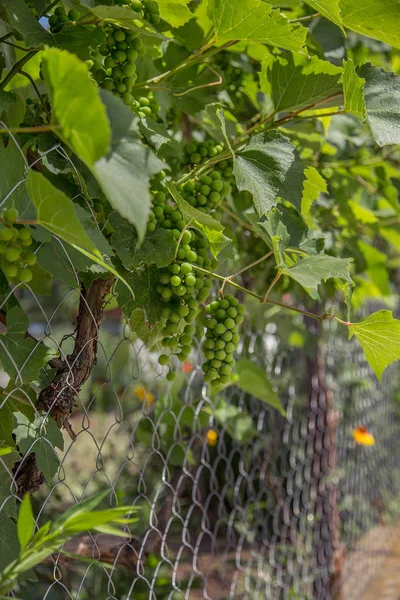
x,y
222,338
207,192
118,70
15,258
146,106
60,17
143,9
197,153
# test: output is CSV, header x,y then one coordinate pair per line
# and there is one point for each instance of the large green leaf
x,y
379,336
85,130
382,102
148,333
81,40
12,176
254,20
311,271
268,168
254,381
294,81
22,358
9,544
329,9
23,20
379,19
175,12
124,174
353,90
144,282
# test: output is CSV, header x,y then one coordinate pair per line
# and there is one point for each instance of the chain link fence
x,y
234,500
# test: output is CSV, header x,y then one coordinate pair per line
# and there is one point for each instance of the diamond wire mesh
x,y
247,518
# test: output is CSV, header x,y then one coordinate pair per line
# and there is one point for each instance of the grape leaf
x,y
382,102
7,99
330,9
23,20
22,358
314,184
236,421
124,17
353,90
294,81
86,132
379,336
379,20
42,280
46,459
157,249
175,12
80,39
254,20
124,174
144,282
311,271
254,381
157,134
12,176
6,425
149,334
9,544
268,168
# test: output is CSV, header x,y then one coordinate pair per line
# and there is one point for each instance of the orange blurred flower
x,y
212,437
362,436
143,394
187,367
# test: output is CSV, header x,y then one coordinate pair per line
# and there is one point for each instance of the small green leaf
x,y
311,271
353,90
254,381
25,522
379,336
9,544
236,421
86,132
379,20
382,102
175,12
314,185
330,9
46,459
254,20
268,168
81,507
294,81
124,174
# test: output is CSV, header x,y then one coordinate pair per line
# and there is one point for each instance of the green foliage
x,y
177,144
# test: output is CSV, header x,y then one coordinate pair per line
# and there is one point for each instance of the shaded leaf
x,y
330,9
9,544
353,90
311,271
24,21
148,333
382,102
268,168
124,174
144,283
157,249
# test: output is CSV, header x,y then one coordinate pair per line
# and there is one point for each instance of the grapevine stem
x,y
17,68
25,74
346,323
273,302
253,264
28,129
238,219
274,281
305,18
178,243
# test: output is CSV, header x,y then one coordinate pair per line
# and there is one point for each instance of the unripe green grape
x,y
24,275
10,270
10,215
12,254
166,294
163,359
108,84
171,376
180,290
6,234
120,56
183,310
120,88
175,269
190,280
110,62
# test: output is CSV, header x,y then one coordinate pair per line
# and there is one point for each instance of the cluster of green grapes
x,y
197,153
143,9
146,106
16,259
60,17
207,192
118,70
234,70
222,338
